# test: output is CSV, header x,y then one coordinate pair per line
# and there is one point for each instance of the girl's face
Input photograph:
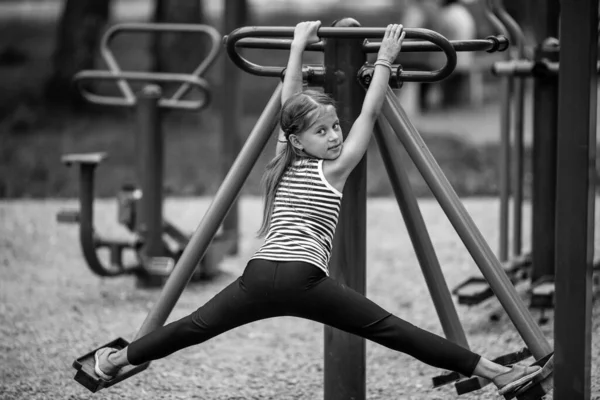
x,y
323,138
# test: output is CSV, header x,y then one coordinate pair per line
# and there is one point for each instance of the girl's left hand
x,y
391,43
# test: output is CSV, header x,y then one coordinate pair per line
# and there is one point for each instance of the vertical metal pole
x,y
507,91
517,37
544,144
465,227
517,173
389,147
575,198
231,113
150,167
214,216
345,374
505,116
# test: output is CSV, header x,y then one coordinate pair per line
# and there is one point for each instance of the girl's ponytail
x,y
273,173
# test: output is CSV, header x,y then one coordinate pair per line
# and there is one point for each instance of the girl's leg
x,y
337,305
245,300
333,303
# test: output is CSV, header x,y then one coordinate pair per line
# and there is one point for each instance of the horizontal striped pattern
x,y
305,214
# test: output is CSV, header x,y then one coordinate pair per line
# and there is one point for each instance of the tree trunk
x,y
178,52
79,33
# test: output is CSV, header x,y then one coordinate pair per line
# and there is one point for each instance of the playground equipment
x,y
156,242
344,75
535,266
517,265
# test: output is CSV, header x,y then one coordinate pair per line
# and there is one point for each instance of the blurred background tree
x,y
78,35
177,52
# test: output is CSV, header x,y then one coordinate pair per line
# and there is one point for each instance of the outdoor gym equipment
x,y
534,266
344,75
156,242
517,265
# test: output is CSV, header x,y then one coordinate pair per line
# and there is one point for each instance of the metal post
x,y
465,227
389,147
344,359
544,144
517,172
505,119
575,198
231,114
214,216
517,37
150,167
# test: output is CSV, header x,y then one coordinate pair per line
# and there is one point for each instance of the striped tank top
x,y
305,214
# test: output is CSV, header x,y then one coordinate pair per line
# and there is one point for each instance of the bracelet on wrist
x,y
385,63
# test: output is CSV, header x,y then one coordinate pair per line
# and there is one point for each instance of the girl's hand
x,y
305,33
391,43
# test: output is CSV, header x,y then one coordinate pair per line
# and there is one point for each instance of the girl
x,y
288,275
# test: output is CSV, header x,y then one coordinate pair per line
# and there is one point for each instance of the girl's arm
x,y
305,33
359,136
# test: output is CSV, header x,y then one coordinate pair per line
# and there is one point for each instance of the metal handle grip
x,y
129,97
159,77
231,42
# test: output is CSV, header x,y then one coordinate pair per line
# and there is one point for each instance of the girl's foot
x,y
515,378
103,367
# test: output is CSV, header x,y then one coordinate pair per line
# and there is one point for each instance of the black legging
x,y
269,289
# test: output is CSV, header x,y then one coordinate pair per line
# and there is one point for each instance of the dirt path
x,y
53,309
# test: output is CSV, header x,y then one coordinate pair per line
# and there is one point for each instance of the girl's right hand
x,y
305,33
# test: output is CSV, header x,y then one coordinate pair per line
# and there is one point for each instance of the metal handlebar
x,y
172,103
187,80
234,40
265,38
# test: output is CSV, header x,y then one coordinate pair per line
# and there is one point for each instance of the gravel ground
x,y
53,310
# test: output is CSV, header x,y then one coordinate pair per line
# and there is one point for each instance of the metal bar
x,y
114,67
515,33
545,112
505,166
87,234
224,198
575,199
344,356
275,44
389,147
517,38
150,171
505,117
163,77
518,170
234,37
499,43
465,227
490,45
231,139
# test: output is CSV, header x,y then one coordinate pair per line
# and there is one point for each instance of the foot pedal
x,y
542,293
445,379
473,291
540,385
68,216
475,383
85,369
160,266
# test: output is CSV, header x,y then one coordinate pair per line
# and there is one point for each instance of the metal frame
x,y
345,354
575,198
140,207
